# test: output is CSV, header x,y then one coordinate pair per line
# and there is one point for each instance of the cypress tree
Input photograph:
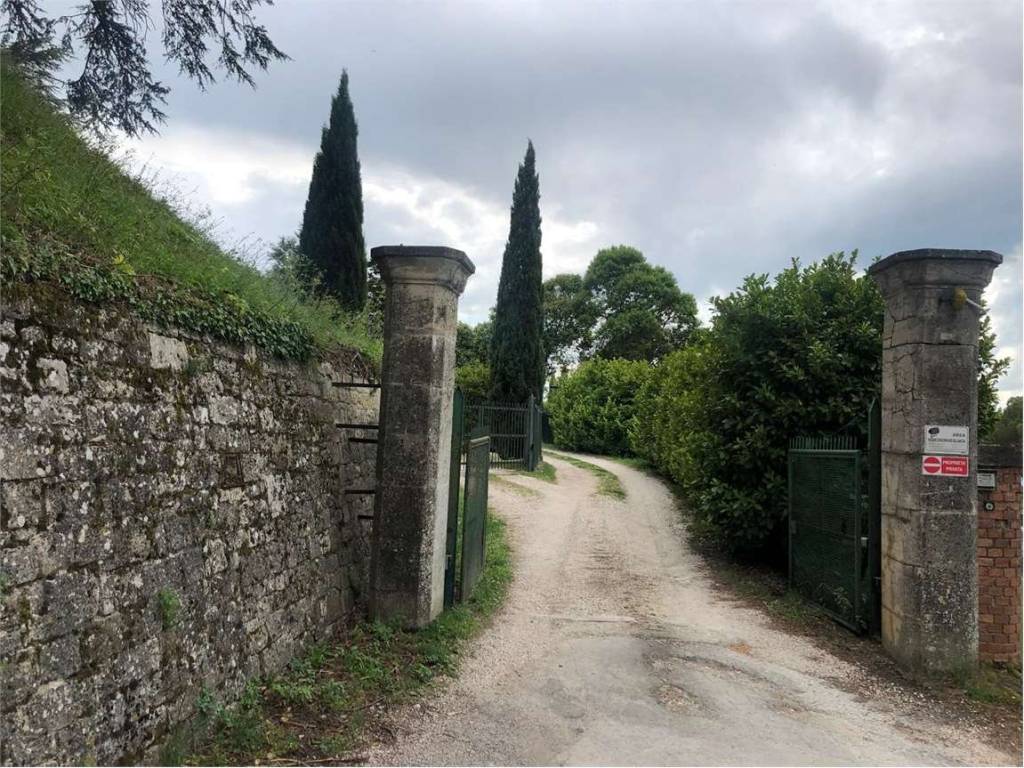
x,y
331,239
517,341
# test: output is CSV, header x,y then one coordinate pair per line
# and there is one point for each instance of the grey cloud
x,y
720,138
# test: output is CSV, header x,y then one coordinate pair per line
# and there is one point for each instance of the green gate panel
x,y
474,514
825,528
454,476
508,424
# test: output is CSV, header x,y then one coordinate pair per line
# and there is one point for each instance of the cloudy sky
x,y
719,138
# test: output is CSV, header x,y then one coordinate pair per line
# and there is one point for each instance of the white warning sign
x,y
951,441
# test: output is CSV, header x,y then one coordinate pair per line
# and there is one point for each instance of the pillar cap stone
x,y
935,254
423,264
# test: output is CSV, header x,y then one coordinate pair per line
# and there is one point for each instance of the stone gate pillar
x,y
929,449
422,288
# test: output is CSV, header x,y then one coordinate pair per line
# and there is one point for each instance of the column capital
x,y
423,265
936,267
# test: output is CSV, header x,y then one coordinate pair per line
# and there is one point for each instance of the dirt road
x,y
615,648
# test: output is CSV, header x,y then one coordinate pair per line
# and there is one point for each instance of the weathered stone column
x,y
423,285
929,518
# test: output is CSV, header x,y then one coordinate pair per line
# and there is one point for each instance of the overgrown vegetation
x,y
319,709
797,355
608,483
72,217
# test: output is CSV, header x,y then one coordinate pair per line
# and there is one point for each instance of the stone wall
x,y
176,515
999,560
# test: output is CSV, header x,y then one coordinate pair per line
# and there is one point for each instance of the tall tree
x,y
331,239
517,344
115,87
641,313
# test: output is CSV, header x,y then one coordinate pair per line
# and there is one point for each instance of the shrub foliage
x,y
592,407
797,355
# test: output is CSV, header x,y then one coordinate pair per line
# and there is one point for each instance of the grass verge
x,y
514,487
544,471
608,483
323,706
992,684
635,462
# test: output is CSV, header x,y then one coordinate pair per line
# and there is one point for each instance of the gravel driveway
x,y
614,648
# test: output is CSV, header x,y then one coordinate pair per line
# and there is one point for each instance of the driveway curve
x,y
615,648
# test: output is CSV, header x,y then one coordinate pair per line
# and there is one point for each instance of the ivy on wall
x,y
223,316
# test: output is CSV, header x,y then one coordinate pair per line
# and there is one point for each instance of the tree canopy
x,y
569,317
115,87
1008,425
623,307
473,343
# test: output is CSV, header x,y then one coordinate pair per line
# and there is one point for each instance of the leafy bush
x,y
474,379
591,407
797,355
667,412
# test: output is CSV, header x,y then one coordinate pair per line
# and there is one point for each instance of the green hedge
x,y
591,408
797,355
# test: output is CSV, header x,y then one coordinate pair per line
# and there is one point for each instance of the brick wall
x,y
174,514
999,557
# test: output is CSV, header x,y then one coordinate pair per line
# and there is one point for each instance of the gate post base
x,y
407,562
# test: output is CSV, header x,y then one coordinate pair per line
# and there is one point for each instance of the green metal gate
x,y
474,515
454,489
834,524
515,430
467,506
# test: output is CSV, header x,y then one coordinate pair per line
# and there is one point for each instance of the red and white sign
x,y
945,466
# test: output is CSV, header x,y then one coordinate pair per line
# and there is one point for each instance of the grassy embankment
x,y
323,708
73,218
